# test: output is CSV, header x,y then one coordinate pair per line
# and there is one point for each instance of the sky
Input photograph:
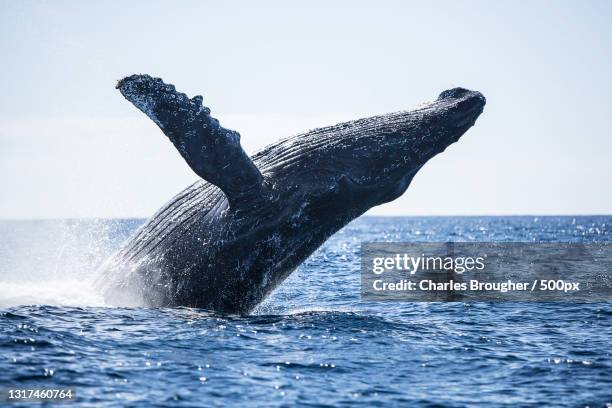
x,y
71,146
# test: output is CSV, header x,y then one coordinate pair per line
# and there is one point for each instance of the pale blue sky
x,y
71,146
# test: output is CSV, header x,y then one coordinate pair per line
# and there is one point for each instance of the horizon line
x,y
127,218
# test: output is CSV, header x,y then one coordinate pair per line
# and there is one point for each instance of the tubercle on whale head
x,y
381,152
421,135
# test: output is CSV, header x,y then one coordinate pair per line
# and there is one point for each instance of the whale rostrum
x,y
229,239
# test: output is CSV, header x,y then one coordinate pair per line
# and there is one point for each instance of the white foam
x,y
62,292
54,262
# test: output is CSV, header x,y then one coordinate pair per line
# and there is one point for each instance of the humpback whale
x,y
229,239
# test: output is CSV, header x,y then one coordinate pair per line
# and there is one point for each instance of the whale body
x,y
229,239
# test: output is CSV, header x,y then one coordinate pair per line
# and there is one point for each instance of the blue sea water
x,y
312,343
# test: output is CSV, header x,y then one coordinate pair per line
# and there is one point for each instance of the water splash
x,y
54,262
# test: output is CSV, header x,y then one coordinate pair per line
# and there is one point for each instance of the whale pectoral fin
x,y
213,152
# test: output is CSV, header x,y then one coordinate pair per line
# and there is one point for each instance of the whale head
x,y
373,159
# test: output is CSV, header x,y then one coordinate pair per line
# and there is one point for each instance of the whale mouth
x,y
477,103
455,111
464,105
392,177
466,120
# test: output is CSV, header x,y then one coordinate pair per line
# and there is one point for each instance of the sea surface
x,y
312,343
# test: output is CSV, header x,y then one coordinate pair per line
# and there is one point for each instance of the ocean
x,y
313,342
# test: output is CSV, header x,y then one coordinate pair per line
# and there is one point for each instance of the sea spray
x,y
55,261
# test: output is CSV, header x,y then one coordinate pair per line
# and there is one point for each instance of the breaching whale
x,y
229,239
